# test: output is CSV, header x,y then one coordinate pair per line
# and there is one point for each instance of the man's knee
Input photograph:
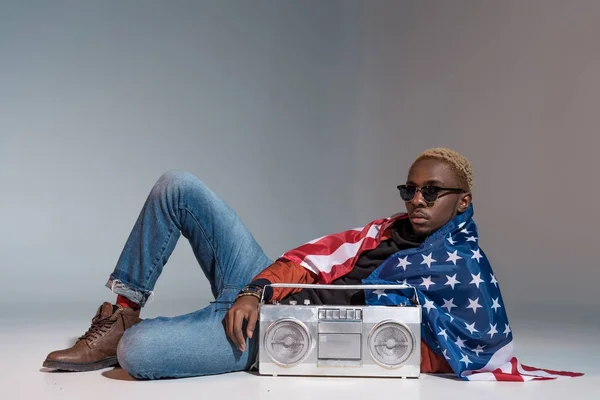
x,y
176,178
175,181
136,352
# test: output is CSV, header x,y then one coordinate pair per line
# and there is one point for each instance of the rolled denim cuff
x,y
118,287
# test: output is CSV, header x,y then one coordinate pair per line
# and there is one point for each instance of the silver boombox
x,y
339,340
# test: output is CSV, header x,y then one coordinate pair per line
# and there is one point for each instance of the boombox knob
x,y
293,302
306,302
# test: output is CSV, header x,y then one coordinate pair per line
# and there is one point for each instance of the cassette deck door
x,y
339,340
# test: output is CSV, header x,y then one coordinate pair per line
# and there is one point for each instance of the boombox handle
x,y
318,286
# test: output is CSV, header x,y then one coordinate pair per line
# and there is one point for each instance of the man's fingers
x,y
229,323
252,317
239,318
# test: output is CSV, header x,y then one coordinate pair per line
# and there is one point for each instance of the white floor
x,y
554,339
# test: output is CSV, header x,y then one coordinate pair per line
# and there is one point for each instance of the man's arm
x,y
245,308
288,270
282,271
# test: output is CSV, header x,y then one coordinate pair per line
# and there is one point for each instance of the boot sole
x,y
75,367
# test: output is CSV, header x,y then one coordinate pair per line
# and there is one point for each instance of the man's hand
x,y
244,308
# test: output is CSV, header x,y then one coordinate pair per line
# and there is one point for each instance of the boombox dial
x,y
287,342
391,344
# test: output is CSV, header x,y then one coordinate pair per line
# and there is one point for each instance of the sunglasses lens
x,y
430,193
407,192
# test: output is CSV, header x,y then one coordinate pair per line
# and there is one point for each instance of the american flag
x,y
464,317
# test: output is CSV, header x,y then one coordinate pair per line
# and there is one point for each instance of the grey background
x,y
303,116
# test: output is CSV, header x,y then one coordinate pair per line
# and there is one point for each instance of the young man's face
x,y
425,217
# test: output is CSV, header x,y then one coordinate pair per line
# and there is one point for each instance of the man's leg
x,y
189,345
178,204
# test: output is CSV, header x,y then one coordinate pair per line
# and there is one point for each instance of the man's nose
x,y
418,200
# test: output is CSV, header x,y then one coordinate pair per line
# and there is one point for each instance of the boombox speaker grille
x,y
391,344
287,342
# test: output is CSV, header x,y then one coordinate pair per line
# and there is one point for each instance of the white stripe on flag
x,y
539,373
324,263
500,359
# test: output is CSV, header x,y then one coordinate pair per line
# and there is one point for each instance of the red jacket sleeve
x,y
285,271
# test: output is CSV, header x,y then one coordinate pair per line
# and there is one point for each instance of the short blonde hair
x,y
457,162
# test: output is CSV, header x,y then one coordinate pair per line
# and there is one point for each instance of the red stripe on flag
x,y
327,245
513,376
552,372
503,376
513,363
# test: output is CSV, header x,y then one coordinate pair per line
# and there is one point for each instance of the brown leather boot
x,y
97,348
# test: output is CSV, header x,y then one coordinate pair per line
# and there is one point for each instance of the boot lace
x,y
99,327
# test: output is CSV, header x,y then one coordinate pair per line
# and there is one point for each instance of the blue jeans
x,y
193,344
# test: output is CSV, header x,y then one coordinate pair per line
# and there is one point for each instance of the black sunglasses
x,y
429,193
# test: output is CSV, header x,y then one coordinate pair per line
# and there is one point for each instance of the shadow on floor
x,y
118,374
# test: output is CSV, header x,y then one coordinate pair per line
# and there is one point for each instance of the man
x,y
220,338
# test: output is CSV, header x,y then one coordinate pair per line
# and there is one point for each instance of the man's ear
x,y
464,202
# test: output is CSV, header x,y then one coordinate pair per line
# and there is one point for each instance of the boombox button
x,y
358,314
350,314
343,313
336,314
321,314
